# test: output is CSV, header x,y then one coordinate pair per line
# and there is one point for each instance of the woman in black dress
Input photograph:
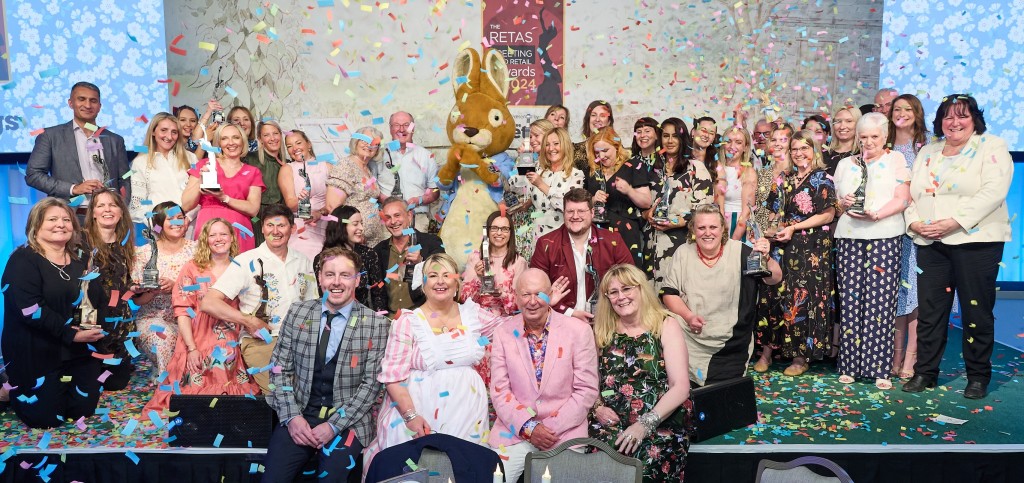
x,y
41,347
345,229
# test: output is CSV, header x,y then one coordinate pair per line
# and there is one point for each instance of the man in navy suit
x,y
328,355
79,157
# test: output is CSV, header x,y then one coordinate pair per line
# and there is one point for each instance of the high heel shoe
x,y
908,373
897,362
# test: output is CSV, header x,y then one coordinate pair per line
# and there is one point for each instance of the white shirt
x,y
884,175
416,168
165,181
87,146
288,281
581,275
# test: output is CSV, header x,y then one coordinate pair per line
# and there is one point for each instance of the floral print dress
x,y
156,323
808,296
688,189
769,205
633,380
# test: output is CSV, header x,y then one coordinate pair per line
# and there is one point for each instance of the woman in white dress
x,y
160,174
554,177
740,180
308,237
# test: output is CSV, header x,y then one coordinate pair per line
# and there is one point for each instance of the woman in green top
x,y
268,159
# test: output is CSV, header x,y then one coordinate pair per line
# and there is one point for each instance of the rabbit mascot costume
x,y
480,128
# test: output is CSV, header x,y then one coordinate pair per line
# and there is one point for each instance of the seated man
x,y
329,353
580,251
283,274
543,376
399,254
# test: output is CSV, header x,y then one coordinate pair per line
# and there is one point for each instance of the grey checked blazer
x,y
53,165
355,381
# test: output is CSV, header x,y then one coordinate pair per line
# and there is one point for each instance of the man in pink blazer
x,y
543,376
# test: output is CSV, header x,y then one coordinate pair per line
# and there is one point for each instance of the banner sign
x,y
531,38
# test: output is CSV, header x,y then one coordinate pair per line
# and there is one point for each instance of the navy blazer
x,y
471,462
53,165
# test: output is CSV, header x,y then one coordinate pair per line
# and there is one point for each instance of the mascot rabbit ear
x,y
465,72
497,74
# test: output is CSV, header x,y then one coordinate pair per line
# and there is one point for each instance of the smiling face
x,y
801,153
536,134
707,230
779,144
219,239
242,120
957,125
529,287
553,148
174,227
735,145
56,228
188,121
365,150
338,278
277,231
762,130
817,129
903,114
599,118
578,217
499,232
605,154
165,135
557,117
844,126
402,127
354,228
872,143
396,218
704,134
670,140
298,148
624,299
85,104
883,101
232,142
441,283
646,138
270,136
107,213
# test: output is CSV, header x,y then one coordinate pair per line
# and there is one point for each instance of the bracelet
x,y
650,421
409,415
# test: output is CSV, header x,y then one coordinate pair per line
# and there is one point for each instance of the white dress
x,y
437,368
548,215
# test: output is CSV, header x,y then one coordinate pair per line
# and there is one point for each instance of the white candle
x,y
546,477
499,477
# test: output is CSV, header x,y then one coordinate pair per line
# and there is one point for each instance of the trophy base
x,y
757,273
304,212
487,285
661,220
856,211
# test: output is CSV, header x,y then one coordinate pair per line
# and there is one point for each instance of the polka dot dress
x,y
869,274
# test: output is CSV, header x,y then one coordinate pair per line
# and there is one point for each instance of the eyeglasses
x,y
761,134
576,212
404,125
499,229
625,292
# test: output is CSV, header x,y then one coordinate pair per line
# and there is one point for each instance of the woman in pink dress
x,y
241,187
206,358
308,237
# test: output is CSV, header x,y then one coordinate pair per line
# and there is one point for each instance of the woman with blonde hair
x,y
161,173
644,409
844,137
303,167
269,159
554,177
739,182
621,190
348,183
517,191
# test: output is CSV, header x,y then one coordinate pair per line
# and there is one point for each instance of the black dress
x,y
40,343
106,293
621,213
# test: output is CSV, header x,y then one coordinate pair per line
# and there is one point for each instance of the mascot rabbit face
x,y
480,118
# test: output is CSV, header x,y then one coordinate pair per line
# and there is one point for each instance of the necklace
x,y
800,178
60,268
710,261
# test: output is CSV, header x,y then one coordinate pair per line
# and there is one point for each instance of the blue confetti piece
x,y
245,231
351,462
17,200
154,417
39,382
113,361
231,92
131,456
483,341
394,145
128,344
218,440
44,442
265,335
543,296
362,137
415,248
129,428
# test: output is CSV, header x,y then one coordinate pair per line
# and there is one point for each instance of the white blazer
x,y
970,188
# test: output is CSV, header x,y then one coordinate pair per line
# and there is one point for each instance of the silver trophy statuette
x,y
217,117
410,267
661,210
305,210
600,208
487,285
150,274
857,207
756,264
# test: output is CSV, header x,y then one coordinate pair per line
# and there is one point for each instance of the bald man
x,y
884,98
547,406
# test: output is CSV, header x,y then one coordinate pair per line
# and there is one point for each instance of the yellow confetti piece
x,y
260,26
213,403
65,379
90,126
366,8
207,46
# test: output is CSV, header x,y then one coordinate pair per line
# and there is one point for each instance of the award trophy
x,y
592,301
857,208
305,210
396,190
487,282
756,264
261,281
87,316
409,267
661,210
217,117
599,206
150,274
209,175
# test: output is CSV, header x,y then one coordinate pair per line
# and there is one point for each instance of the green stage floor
x,y
816,409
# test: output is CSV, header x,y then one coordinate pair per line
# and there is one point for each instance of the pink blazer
x,y
568,386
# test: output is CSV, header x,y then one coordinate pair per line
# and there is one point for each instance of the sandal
x,y
908,373
761,366
883,384
846,379
796,369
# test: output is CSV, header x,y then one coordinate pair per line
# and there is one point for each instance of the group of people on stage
x,y
612,281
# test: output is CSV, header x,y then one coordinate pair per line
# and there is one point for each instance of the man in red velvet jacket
x,y
581,252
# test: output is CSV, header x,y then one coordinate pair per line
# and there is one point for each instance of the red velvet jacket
x,y
553,254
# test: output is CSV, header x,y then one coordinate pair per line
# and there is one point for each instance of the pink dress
x,y
223,370
156,323
236,187
309,239
504,302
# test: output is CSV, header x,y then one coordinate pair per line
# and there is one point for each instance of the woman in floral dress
x,y
517,190
645,408
350,183
158,330
808,305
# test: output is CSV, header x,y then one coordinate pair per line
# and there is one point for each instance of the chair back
x,y
438,463
797,471
418,476
604,466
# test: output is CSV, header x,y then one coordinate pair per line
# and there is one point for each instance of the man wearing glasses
x,y
762,131
884,99
407,170
79,157
581,252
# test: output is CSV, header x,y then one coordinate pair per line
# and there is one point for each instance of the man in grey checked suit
x,y
78,157
329,354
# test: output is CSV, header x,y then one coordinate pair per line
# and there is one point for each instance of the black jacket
x,y
429,245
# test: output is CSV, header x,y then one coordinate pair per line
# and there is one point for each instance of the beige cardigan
x,y
971,190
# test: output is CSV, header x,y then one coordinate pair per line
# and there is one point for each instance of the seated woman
x,y
345,229
206,358
110,237
428,365
241,188
39,346
645,407
158,330
304,170
706,287
160,174
624,188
